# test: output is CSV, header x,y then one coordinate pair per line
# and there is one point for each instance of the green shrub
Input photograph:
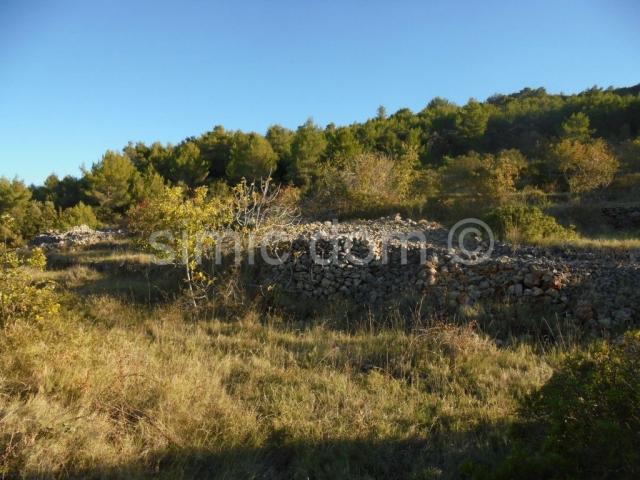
x,y
364,183
491,178
21,296
525,222
530,195
81,214
585,166
585,422
188,216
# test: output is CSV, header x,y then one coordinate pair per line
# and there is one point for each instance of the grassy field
x,y
126,384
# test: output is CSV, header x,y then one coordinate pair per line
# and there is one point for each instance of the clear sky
x,y
80,77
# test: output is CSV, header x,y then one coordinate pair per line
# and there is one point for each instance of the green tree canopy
x,y
576,127
471,123
342,145
306,151
15,198
280,139
215,148
14,194
112,184
251,157
189,166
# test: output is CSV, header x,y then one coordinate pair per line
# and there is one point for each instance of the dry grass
x,y
612,242
102,256
121,385
112,389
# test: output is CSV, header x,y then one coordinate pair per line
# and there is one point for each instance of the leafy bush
x,y
585,166
365,182
81,214
524,222
21,297
534,196
491,177
587,418
186,224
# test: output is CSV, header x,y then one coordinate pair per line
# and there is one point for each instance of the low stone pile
x,y
77,236
372,265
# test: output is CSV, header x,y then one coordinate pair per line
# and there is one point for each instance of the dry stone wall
x,y
378,261
375,261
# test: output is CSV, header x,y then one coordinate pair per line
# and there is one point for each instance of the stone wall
x,y
601,290
377,261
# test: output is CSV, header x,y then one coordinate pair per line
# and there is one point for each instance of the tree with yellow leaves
x,y
585,166
177,223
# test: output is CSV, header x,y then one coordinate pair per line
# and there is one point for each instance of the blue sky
x,y
80,77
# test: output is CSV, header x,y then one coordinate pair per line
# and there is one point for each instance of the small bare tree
x,y
261,208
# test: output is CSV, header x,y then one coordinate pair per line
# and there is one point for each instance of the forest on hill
x,y
530,144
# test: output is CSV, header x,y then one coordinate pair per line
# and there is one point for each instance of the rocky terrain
x,y
77,236
373,261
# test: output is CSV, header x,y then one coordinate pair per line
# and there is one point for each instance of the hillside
x,y
444,294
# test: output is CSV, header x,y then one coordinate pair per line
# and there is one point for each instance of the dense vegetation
x,y
529,146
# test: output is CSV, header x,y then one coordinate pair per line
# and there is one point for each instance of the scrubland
x,y
125,382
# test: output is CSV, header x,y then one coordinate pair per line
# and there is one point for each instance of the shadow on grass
x,y
443,457
151,286
116,270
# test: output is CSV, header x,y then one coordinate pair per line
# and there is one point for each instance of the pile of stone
x,y
374,261
77,236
